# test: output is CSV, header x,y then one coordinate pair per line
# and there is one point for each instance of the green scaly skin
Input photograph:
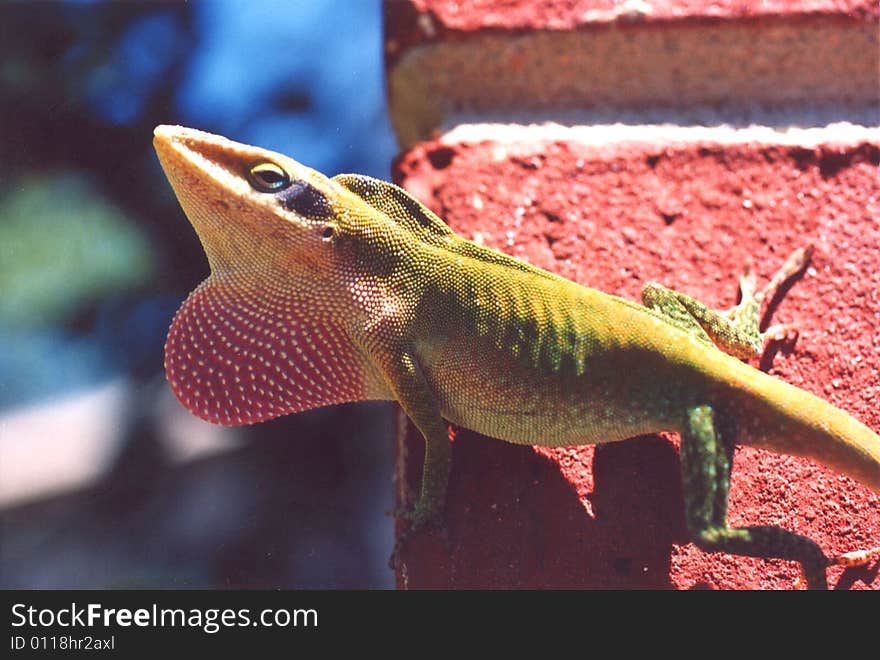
x,y
324,291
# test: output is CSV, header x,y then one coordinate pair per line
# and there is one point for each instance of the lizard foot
x,y
812,580
855,558
419,520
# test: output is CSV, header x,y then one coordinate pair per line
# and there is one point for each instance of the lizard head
x,y
254,210
266,333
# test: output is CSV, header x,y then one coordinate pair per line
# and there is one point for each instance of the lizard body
x,y
324,291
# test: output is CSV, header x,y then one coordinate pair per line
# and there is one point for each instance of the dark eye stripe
x,y
303,198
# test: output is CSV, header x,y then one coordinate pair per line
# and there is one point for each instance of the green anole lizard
x,y
324,291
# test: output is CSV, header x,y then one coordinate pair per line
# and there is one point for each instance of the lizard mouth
x,y
191,157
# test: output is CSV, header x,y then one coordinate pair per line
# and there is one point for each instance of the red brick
x,y
469,16
543,59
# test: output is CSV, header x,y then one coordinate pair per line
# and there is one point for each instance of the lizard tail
x,y
783,418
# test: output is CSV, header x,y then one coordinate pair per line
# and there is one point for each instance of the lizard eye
x,y
328,232
268,177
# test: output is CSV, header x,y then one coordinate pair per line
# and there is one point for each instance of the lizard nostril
x,y
328,232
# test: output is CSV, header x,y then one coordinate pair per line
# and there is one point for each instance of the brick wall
x,y
620,142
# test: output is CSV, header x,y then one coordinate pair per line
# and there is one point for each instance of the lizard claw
x,y
420,520
852,559
855,558
781,333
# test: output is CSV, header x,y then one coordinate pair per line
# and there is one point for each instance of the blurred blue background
x,y
104,480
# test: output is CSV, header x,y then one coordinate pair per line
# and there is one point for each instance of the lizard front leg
x,y
409,386
404,377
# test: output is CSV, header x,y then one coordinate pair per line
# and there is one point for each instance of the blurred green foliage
x,y
63,244
96,254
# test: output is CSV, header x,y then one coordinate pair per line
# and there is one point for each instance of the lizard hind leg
x,y
736,331
706,458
